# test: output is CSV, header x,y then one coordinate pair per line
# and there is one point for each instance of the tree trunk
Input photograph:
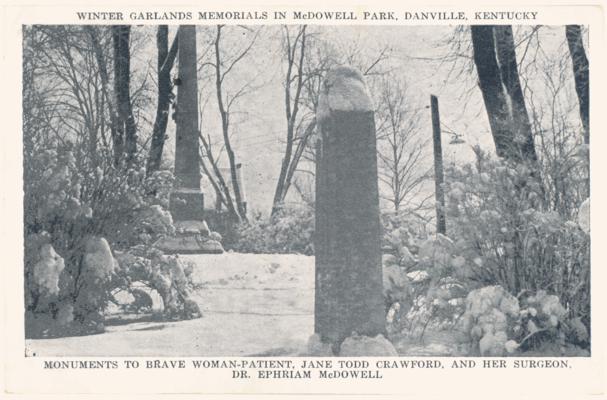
x,y
291,109
116,133
166,60
303,142
225,124
220,182
494,95
580,74
506,55
122,79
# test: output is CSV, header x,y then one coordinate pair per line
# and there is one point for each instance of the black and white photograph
x,y
306,190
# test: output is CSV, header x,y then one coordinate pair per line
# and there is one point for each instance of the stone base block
x,y
192,228
188,244
187,205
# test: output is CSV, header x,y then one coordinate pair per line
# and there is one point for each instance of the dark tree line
x,y
499,81
122,87
166,59
495,60
580,74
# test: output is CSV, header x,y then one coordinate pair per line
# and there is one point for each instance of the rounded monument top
x,y
344,89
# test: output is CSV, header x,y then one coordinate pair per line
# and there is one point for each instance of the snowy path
x,y
251,304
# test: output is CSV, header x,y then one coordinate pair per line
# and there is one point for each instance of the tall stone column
x,y
187,199
349,292
187,142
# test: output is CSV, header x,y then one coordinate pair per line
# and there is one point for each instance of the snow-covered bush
x,y
542,318
505,233
398,292
420,286
490,320
440,290
86,191
157,187
66,297
498,324
75,216
403,233
290,230
64,244
400,239
170,277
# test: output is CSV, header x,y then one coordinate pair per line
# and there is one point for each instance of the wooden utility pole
x,y
438,168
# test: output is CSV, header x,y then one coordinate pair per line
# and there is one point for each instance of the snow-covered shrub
x,y
85,193
158,186
401,237
398,291
170,277
542,316
505,233
62,242
215,236
490,319
290,230
66,297
151,223
440,292
402,234
75,215
420,285
498,324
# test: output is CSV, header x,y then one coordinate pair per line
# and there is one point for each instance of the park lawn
x,y
252,304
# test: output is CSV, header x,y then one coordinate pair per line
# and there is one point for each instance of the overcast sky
x,y
420,55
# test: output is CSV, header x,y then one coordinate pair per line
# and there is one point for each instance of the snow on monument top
x,y
344,89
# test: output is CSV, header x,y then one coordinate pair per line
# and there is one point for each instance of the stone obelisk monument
x,y
349,293
187,199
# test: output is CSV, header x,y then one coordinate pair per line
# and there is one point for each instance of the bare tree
x,y
321,56
222,190
308,60
295,50
553,108
122,84
223,63
496,65
116,134
580,74
76,98
494,94
401,148
166,59
506,56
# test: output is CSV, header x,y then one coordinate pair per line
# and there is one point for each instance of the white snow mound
x,y
361,346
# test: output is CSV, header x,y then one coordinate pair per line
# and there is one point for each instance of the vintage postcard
x,y
303,199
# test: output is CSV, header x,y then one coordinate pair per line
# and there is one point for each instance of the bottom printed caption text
x,y
306,368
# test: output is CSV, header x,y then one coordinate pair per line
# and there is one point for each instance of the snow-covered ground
x,y
252,305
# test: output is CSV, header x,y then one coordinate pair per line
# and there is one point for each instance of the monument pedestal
x,y
191,231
